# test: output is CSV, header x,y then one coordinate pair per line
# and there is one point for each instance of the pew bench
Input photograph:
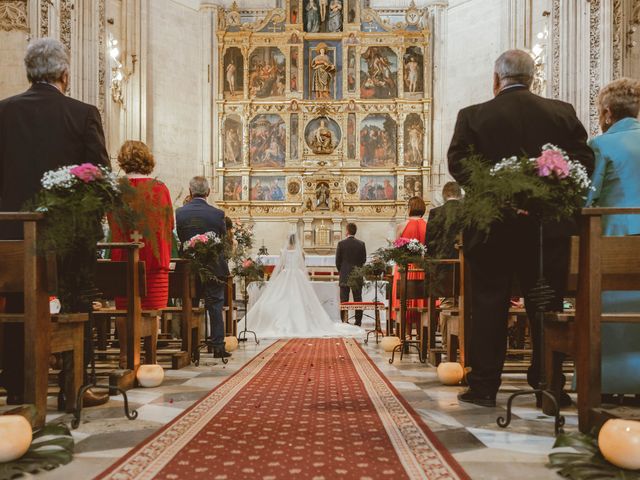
x,y
25,272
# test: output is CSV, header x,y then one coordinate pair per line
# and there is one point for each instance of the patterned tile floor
x,y
483,449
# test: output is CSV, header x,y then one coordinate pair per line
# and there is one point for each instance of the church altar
x,y
329,295
309,260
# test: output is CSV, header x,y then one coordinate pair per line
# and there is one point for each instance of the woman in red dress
x,y
414,228
153,203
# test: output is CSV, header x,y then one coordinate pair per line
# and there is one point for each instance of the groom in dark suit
x,y
350,253
195,218
515,122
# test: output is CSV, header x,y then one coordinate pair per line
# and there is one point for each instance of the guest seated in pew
x,y
155,208
616,182
193,219
42,129
440,238
515,122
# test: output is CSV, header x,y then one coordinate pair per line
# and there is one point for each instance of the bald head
x,y
513,67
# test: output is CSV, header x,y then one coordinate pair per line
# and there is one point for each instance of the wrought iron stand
x,y
242,336
377,329
541,295
93,379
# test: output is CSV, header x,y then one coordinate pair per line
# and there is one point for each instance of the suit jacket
x,y
40,130
440,243
197,217
350,253
517,122
616,179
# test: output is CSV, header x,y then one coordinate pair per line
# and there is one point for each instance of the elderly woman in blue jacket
x,y
616,182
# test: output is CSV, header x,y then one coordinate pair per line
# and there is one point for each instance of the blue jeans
x,y
213,302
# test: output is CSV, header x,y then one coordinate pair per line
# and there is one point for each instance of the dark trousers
x,y
214,302
494,265
357,297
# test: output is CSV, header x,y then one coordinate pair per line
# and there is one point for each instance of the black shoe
x,y
221,354
469,396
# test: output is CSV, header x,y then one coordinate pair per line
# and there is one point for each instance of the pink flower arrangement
x,y
247,263
401,242
87,172
552,162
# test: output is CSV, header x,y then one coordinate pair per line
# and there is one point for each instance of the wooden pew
x,y
182,287
445,278
231,319
128,279
604,264
23,271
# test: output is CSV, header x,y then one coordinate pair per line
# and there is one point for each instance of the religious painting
x,y
294,15
267,141
322,135
232,189
378,141
293,69
293,136
379,73
232,141
377,188
323,15
267,73
351,11
266,189
413,70
412,186
413,140
351,135
233,72
351,69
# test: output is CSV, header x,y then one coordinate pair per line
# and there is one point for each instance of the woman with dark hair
x,y
413,228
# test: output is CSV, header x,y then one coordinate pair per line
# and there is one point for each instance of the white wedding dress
x,y
289,307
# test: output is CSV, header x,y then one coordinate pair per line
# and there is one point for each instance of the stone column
x,y
437,10
210,121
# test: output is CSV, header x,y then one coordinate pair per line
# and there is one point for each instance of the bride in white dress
x,y
289,307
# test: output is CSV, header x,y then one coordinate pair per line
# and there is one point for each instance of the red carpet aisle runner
x,y
304,409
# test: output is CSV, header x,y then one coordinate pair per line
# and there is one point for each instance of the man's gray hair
x,y
515,66
199,186
46,60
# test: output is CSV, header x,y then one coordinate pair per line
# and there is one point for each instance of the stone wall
x,y
175,84
13,79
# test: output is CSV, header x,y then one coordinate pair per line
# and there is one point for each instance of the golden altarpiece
x,y
324,114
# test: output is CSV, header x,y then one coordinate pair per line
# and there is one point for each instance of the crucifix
x,y
136,237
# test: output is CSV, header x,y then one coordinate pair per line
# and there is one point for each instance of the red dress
x,y
158,214
416,229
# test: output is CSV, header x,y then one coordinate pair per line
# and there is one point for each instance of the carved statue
x,y
313,17
322,196
334,24
323,71
322,139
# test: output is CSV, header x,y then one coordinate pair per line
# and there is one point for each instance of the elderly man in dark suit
x,y
41,129
515,122
195,218
350,253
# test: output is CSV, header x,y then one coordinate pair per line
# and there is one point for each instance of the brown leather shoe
x,y
93,399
